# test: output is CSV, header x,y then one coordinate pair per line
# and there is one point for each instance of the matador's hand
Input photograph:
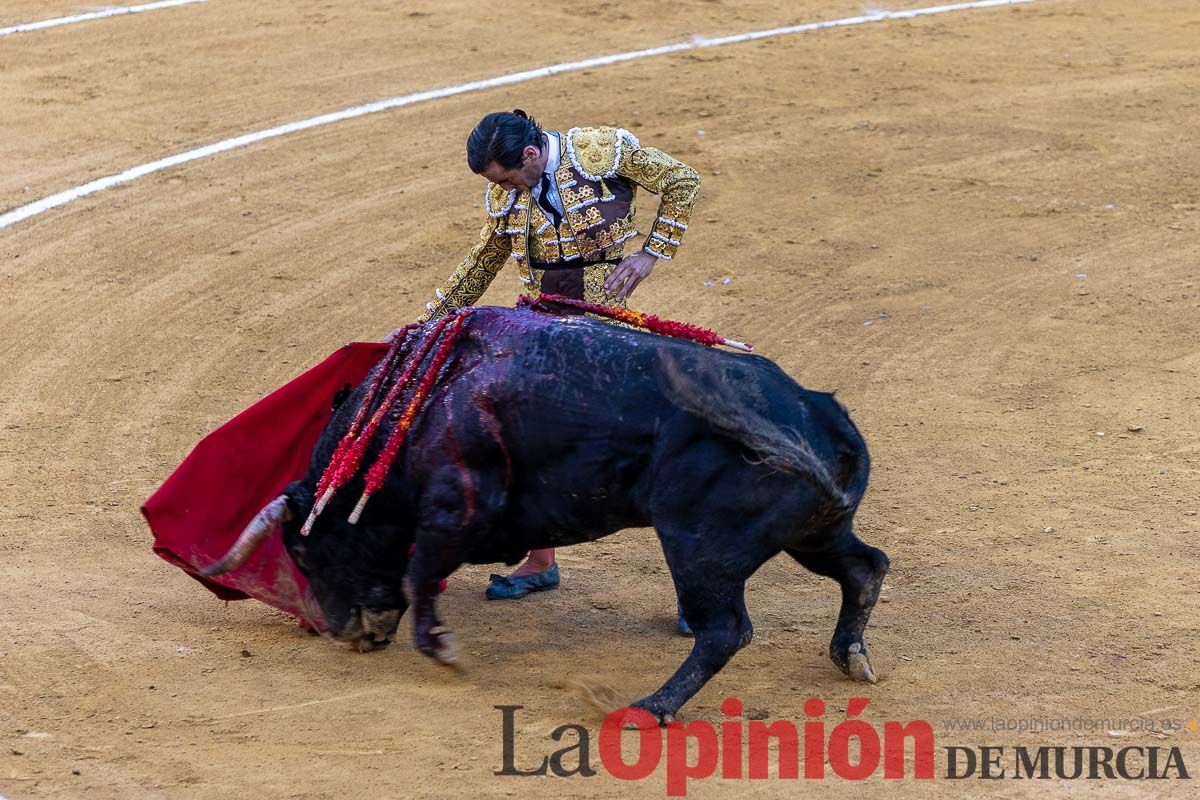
x,y
632,270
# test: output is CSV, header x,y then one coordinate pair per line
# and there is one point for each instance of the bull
x,y
546,431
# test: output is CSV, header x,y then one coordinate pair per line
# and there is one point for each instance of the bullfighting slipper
x,y
508,587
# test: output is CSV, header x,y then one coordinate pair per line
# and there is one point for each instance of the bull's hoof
x,y
858,666
439,645
641,717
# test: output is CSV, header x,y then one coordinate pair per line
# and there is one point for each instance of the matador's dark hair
x,y
501,137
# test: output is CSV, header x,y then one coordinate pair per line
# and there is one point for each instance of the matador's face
x,y
526,176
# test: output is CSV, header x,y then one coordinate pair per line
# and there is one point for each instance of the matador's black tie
x,y
544,200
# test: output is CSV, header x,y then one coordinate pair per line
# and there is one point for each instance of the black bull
x,y
548,431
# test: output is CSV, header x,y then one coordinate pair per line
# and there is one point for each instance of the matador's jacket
x,y
599,172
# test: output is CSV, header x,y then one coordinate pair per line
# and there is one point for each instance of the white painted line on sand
x,y
108,12
62,198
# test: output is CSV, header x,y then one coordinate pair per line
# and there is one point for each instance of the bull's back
x,y
575,377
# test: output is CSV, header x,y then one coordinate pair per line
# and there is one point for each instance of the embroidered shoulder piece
x,y
497,201
597,152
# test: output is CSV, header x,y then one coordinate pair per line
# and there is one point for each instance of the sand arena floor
x,y
981,228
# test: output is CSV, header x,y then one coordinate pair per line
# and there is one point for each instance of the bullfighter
x,y
562,205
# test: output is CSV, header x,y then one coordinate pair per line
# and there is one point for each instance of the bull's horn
x,y
264,523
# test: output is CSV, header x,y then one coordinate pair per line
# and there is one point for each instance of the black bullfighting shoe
x,y
506,587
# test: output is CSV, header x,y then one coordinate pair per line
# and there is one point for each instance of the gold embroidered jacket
x,y
599,172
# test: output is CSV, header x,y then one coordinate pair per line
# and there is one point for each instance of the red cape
x,y
233,472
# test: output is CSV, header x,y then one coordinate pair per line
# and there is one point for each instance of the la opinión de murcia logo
x,y
739,749
749,749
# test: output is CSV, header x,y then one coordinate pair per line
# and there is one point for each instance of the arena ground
x,y
981,228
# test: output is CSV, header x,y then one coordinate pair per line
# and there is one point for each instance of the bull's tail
x,y
842,481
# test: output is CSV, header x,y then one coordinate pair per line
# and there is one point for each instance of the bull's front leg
x,y
457,507
431,562
429,635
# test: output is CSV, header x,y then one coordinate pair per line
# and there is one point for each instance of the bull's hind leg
x,y
711,591
859,569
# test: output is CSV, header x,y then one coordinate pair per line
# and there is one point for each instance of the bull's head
x,y
354,571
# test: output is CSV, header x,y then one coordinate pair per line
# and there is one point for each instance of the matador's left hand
x,y
632,270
